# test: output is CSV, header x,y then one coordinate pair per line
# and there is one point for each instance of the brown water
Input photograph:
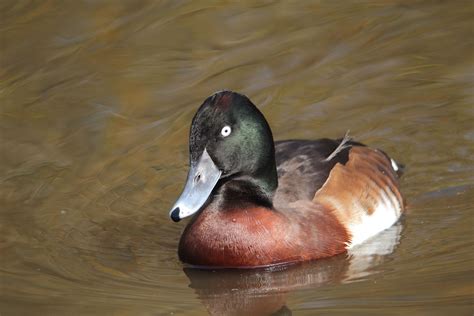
x,y
96,101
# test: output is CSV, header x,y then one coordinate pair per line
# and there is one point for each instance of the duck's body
x,y
294,201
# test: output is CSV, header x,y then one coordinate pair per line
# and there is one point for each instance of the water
x,y
96,101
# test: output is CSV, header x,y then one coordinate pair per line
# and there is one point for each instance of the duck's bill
x,y
202,178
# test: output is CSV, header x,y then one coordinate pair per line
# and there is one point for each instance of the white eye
x,y
226,130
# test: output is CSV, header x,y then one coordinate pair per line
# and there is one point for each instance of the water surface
x,y
96,99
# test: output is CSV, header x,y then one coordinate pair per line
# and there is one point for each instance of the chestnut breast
x,y
258,236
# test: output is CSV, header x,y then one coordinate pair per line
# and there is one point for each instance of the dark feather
x,y
303,167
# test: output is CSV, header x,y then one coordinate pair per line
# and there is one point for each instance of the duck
x,y
256,202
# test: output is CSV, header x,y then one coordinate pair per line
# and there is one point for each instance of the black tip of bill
x,y
175,215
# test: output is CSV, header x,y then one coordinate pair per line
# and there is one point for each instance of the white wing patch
x,y
384,216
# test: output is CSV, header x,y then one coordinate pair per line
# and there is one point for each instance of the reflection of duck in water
x,y
265,291
262,204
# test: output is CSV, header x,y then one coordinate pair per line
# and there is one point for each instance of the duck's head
x,y
229,139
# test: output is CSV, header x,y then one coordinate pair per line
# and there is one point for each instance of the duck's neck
x,y
256,189
266,178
